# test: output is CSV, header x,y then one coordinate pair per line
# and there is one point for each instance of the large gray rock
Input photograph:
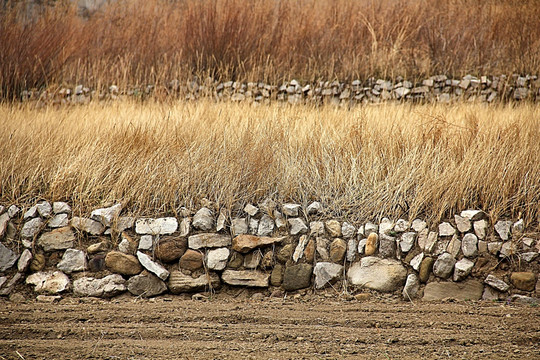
x,y
469,245
7,258
31,228
160,226
180,282
209,240
462,269
106,287
73,260
298,226
466,290
146,285
384,275
58,239
297,277
203,219
387,246
348,231
412,285
444,265
245,278
152,266
49,282
106,215
89,226
326,273
496,283
216,259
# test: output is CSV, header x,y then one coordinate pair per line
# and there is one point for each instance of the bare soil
x,y
229,327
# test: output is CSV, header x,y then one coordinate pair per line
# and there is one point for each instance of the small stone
x,y
463,224
31,228
121,263
203,219
361,232
252,260
239,226
298,226
185,227
326,273
89,226
494,247
251,210
209,240
7,258
285,254
60,207
297,277
445,229
387,246
146,285
454,246
128,245
266,226
309,251
216,259
48,298
314,208
106,287
528,242
462,269
469,245
370,228
44,209
491,294
522,299
220,223
402,225
180,283
406,242
59,220
338,248
386,226
473,215
496,283
146,242
160,226
291,209
299,250
503,229
4,221
152,266
24,261
444,265
362,296
480,228
12,211
106,216
38,263
416,261
171,249
333,227
49,282
529,256
347,230
419,225
73,260
30,213
426,267
523,280
253,226
385,275
508,249
427,243
322,249
316,228
191,260
362,246
276,277
281,224
412,285
371,244
267,260
96,263
245,278
58,239
352,249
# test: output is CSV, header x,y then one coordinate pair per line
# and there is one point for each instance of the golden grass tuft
x,y
364,163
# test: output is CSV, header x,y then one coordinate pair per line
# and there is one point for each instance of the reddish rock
x,y
245,243
191,260
169,250
121,263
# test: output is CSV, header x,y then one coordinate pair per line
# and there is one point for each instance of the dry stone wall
x,y
438,88
48,252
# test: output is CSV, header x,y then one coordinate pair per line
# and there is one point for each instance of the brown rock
x,y
371,244
267,260
285,253
309,251
333,227
38,263
425,269
121,263
169,250
236,260
96,263
362,296
245,243
523,280
276,278
98,247
338,248
191,260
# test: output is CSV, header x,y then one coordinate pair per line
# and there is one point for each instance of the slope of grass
x,y
429,160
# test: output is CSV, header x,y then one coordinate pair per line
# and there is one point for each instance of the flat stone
x,y
49,282
24,261
48,298
522,299
7,258
326,273
191,260
146,242
146,285
444,266
466,290
496,283
44,209
121,263
480,228
412,285
316,228
387,246
298,226
371,244
216,259
473,215
426,266
73,260
314,208
59,220
245,278
239,226
416,261
246,243
60,207
106,216
503,229
251,210
338,248
463,224
385,275
58,239
31,228
180,283
462,269
152,266
106,287
469,245
299,250
291,209
402,225
208,240
203,219
89,226
160,226
445,229
169,250
297,277
418,225
266,226
525,281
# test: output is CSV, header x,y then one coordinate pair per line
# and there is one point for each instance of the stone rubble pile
x,y
438,88
274,248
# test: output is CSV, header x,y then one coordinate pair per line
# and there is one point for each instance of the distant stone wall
x,y
275,249
439,88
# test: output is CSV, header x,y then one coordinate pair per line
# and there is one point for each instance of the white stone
x,y
216,259
108,286
402,225
362,246
462,269
253,226
299,251
384,275
185,227
12,211
444,265
152,266
60,207
427,240
416,261
316,228
266,226
419,225
352,249
406,243
469,245
386,226
203,219
347,230
220,223
49,282
454,246
59,220
496,283
314,208
281,224
107,215
527,241
518,227
480,228
24,260
251,210
445,229
87,225
503,229
494,247
361,231
463,224
326,272
72,261
44,209
473,215
160,226
146,242
239,226
322,248
290,209
298,226
370,228
412,285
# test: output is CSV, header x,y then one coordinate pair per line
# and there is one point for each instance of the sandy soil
x,y
225,327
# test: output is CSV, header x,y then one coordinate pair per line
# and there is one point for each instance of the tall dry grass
x,y
399,161
139,42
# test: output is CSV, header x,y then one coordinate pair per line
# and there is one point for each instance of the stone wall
x,y
439,88
278,249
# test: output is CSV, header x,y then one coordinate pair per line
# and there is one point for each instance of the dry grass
x,y
429,160
139,42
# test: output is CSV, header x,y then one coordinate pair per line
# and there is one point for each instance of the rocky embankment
x,y
438,88
277,249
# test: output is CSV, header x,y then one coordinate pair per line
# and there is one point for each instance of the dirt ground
x,y
301,327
